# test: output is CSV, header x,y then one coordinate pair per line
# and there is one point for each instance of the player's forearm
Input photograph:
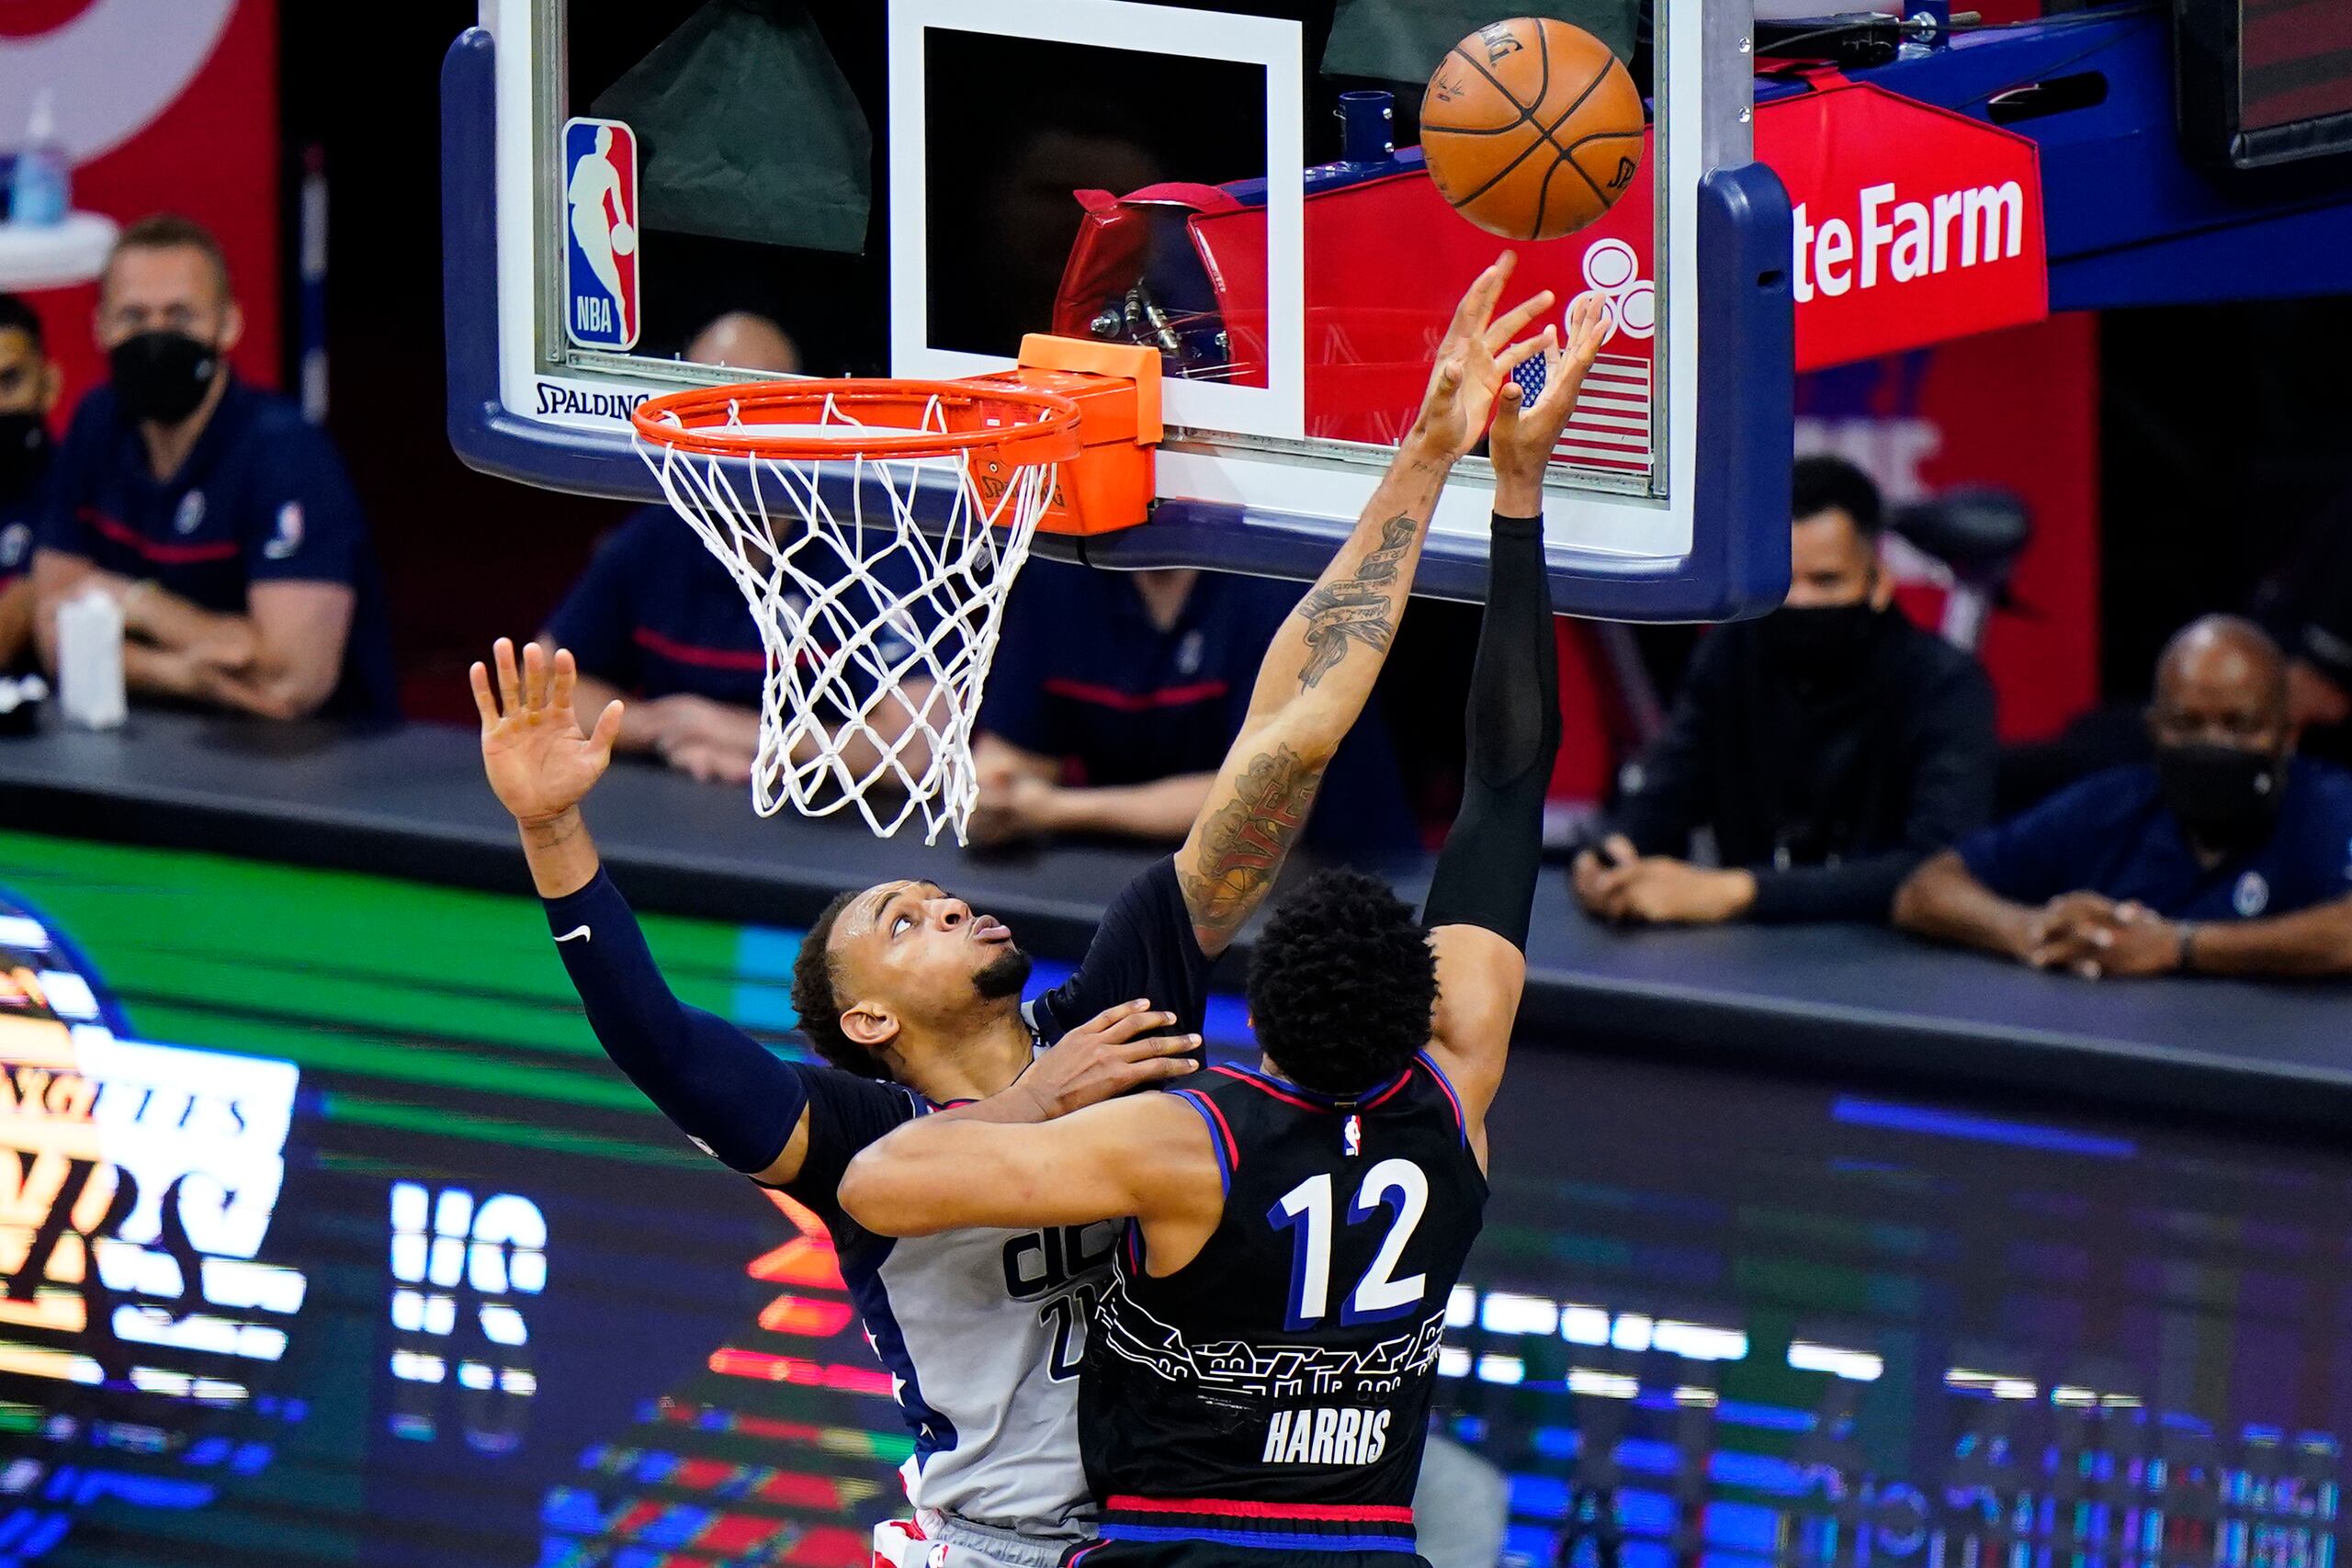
x,y
1162,810
1486,874
1943,901
714,1082
1322,663
939,1173
561,855
2311,943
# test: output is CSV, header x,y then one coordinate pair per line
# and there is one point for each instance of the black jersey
x,y
1278,1385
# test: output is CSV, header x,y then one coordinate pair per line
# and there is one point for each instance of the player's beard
x,y
1002,976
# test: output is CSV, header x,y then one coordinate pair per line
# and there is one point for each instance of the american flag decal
x,y
1610,428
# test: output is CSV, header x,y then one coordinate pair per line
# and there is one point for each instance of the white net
x,y
878,627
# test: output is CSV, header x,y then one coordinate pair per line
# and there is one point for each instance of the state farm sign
x,y
1913,239
1913,224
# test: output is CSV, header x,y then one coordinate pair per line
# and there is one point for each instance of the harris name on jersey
x,y
1327,1436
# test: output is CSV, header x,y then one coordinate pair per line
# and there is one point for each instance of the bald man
x,y
657,619
744,340
2227,855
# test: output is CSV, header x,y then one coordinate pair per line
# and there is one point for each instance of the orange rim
x,y
1015,425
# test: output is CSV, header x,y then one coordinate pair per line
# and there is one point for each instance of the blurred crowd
x,y
1830,762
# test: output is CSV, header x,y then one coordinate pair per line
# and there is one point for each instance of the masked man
x,y
2228,855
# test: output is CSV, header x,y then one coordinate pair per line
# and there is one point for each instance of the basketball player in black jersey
x,y
1257,1383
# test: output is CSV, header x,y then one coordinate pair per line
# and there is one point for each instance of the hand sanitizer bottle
x,y
89,660
43,193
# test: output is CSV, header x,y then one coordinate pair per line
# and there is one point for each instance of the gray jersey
x,y
983,1332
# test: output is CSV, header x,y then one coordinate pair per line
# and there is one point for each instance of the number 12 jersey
x,y
1278,1385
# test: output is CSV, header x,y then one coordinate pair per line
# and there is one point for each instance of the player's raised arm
x,y
1484,886
1320,668
718,1085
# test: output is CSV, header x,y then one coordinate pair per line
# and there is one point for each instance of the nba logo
x,y
600,203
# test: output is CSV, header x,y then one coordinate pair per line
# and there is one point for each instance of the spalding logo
x,y
1500,42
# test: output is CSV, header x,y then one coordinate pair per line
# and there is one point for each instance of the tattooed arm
x,y
1320,668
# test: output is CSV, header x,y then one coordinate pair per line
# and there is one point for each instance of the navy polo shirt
x,y
2113,834
262,497
1084,675
656,615
20,515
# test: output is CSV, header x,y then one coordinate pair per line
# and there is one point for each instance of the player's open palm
x,y
538,761
1525,435
1476,360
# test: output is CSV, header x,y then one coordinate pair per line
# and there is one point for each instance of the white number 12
x,y
1305,1210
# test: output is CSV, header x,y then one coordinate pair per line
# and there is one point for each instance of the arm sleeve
x,y
718,1085
1486,873
1659,803
1951,796
1144,947
308,526
595,620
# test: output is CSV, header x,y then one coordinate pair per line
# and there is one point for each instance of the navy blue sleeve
x,y
2048,851
2322,855
597,617
1144,947
67,491
724,1090
1013,705
304,523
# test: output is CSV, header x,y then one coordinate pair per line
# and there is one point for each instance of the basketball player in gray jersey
x,y
914,1000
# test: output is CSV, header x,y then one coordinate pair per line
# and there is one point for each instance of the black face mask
x,y
24,451
1824,642
2222,795
160,377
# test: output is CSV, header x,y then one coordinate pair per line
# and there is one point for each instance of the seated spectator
x,y
657,619
2227,855
1114,695
222,522
28,386
744,340
1827,747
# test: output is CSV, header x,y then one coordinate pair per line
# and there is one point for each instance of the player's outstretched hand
x,y
1108,1056
538,761
1524,436
1476,360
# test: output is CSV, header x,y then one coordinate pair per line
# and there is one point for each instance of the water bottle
x,y
89,660
43,195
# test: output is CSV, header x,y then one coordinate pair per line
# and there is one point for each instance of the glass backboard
x,y
906,188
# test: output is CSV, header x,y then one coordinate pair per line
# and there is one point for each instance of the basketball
x,y
1532,127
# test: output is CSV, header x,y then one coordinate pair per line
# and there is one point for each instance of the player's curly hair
x,y
820,1007
1342,984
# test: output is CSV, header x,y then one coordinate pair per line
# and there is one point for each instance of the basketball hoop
x,y
876,527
